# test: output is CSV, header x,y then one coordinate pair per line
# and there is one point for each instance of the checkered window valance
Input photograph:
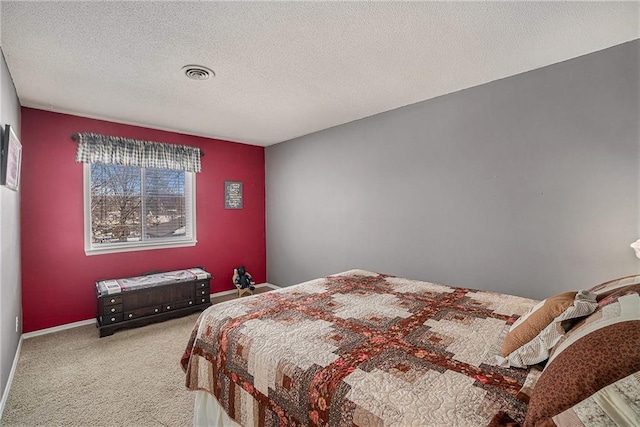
x,y
96,148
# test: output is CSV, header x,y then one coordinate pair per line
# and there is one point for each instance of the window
x,y
130,208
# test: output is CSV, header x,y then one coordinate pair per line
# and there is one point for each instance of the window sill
x,y
112,249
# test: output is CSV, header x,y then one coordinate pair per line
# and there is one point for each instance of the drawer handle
x,y
130,315
113,300
113,310
202,292
168,307
203,299
156,310
190,302
113,319
202,285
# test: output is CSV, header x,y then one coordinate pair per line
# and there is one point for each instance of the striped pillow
x,y
534,334
597,352
607,288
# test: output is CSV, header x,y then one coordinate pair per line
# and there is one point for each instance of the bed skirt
x,y
207,412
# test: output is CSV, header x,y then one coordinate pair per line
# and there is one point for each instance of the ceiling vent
x,y
198,72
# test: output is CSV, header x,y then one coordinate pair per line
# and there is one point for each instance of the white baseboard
x,y
93,320
7,388
59,328
270,285
233,291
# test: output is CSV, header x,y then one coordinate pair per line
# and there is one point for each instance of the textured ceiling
x,y
284,69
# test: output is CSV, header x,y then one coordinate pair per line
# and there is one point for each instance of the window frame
x,y
91,248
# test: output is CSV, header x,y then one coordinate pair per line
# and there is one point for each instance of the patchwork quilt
x,y
358,348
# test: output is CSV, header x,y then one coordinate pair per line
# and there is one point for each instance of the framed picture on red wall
x,y
233,195
11,159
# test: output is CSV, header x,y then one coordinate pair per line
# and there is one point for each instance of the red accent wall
x,y
58,279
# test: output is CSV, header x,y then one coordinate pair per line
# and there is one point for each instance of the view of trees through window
x,y
132,204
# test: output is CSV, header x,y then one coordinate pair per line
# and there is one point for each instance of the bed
x,y
367,349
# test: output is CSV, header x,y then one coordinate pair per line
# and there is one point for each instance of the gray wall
x,y
527,185
10,288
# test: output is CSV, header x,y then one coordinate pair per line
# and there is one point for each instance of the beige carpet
x,y
132,378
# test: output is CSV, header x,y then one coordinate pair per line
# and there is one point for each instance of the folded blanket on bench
x,y
114,286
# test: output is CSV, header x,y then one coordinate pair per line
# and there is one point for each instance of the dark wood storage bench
x,y
138,301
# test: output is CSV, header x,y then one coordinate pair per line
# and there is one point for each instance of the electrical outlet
x,y
17,323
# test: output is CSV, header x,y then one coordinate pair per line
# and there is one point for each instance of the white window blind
x,y
132,208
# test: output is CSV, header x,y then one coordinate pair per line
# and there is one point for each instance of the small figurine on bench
x,y
243,280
